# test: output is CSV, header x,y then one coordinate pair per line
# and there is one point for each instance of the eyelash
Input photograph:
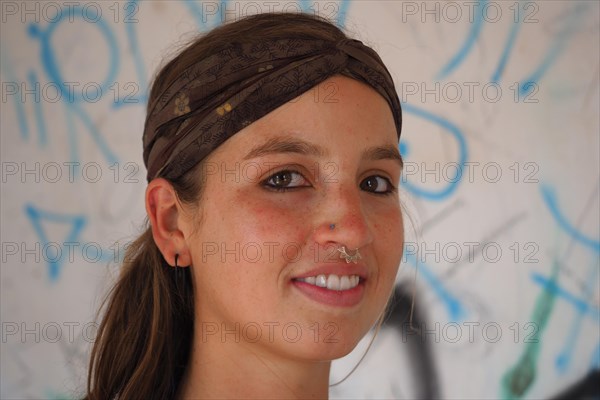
x,y
265,183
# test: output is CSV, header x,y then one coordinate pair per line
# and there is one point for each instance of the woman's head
x,y
264,221
258,203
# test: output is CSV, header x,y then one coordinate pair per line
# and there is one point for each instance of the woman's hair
x,y
144,341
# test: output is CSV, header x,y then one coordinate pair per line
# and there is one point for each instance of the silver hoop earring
x,y
344,254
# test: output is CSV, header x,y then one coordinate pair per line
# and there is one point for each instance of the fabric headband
x,y
220,95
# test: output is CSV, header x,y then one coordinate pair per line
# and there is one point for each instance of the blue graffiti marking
x,y
137,60
72,98
549,197
6,68
441,194
404,148
49,60
467,46
453,306
342,13
77,111
201,18
564,357
39,115
77,223
305,5
510,43
558,45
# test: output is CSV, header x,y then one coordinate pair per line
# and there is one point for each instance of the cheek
x,y
270,218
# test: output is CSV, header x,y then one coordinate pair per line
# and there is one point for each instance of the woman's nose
x,y
341,219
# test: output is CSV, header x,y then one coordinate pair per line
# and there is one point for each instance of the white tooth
x,y
351,279
345,283
333,282
310,279
321,281
356,279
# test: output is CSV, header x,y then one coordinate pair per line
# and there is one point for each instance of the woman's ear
x,y
164,209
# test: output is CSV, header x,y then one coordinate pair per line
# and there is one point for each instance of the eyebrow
x,y
293,145
387,152
286,145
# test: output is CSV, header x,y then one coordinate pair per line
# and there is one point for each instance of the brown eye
x,y
285,180
377,184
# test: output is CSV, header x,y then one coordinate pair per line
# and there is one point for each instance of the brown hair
x,y
144,340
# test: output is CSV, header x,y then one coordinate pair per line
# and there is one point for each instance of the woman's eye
x,y
377,184
283,180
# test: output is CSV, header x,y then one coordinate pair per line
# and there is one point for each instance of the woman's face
x,y
263,241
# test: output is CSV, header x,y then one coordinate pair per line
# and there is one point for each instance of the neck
x,y
236,370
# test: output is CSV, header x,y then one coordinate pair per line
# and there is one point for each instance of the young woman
x,y
275,229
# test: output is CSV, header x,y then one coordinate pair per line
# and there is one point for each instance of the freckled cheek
x,y
273,221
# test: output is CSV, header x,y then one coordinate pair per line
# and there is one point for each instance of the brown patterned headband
x,y
218,96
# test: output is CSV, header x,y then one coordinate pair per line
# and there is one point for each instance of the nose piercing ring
x,y
331,226
354,258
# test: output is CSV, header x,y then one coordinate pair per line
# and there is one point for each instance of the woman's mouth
x,y
332,289
332,281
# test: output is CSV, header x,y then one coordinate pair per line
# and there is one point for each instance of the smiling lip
x,y
339,298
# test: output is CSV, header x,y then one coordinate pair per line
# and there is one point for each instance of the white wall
x,y
529,185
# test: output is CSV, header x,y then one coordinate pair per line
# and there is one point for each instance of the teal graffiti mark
x,y
581,307
563,360
518,379
551,286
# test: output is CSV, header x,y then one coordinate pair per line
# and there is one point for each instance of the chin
x,y
327,348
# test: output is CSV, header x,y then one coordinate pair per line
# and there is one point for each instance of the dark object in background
x,y
587,388
419,351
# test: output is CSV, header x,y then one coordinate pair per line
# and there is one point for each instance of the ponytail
x,y
144,340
